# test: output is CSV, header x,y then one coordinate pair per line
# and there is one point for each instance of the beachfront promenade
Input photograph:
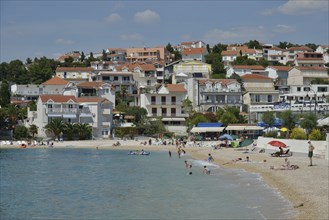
x,y
306,187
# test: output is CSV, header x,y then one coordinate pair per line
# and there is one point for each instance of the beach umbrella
x,y
284,129
271,129
276,143
226,137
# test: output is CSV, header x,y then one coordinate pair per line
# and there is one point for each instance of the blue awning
x,y
210,124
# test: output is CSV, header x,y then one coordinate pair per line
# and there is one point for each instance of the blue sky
x,y
50,28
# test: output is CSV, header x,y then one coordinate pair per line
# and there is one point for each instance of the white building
x,y
97,112
242,70
74,74
166,103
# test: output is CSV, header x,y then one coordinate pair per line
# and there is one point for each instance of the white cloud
x,y
236,35
146,17
113,18
267,12
134,37
117,6
298,7
63,41
282,28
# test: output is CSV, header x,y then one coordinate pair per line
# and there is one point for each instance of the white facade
x,y
74,73
97,112
193,68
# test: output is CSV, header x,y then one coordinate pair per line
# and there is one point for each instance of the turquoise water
x,y
108,184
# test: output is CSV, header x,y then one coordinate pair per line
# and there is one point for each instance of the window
x,y
153,100
106,91
70,106
154,111
50,106
116,78
173,111
306,89
105,132
148,82
298,89
257,98
322,89
269,98
163,100
173,100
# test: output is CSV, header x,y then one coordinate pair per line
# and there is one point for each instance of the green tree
x,y
268,118
308,122
288,119
104,56
312,46
82,57
177,55
187,106
33,130
244,60
4,94
194,119
218,48
253,44
285,45
70,130
56,126
20,132
215,60
84,131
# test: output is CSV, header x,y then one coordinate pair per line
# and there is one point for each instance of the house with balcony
x,y
191,44
209,95
253,54
304,75
309,59
30,92
229,56
193,69
75,55
166,103
116,54
105,65
291,52
95,111
280,75
122,79
148,54
274,54
260,95
96,89
242,70
190,54
75,74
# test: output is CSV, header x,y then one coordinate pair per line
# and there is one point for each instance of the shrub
x,y
298,133
316,135
273,134
20,132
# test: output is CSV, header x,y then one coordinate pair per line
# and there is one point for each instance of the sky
x,y
50,28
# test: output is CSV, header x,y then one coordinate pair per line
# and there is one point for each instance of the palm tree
x,y
33,129
56,126
84,131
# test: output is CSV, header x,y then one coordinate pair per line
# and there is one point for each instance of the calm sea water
x,y
108,184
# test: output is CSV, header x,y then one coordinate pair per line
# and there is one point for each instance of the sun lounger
x,y
287,153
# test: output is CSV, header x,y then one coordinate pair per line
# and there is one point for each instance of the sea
x,y
110,184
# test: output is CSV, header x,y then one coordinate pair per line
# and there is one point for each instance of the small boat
x,y
139,153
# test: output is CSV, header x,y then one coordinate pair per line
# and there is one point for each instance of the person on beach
x,y
169,153
206,170
247,159
179,152
210,158
233,161
310,151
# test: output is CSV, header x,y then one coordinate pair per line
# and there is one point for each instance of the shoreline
x,y
306,188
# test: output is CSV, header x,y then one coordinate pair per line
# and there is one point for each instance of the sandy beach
x,y
306,187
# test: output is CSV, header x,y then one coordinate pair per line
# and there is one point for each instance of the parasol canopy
x,y
276,143
226,137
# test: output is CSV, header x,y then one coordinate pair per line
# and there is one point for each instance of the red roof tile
x,y
74,69
95,84
255,76
190,51
175,88
282,68
92,99
251,67
58,98
56,81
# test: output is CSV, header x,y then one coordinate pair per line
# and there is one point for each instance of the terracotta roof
x,y
92,99
251,67
56,81
186,43
314,68
301,48
175,88
237,48
74,69
230,52
281,68
249,51
144,67
255,76
95,84
58,98
190,51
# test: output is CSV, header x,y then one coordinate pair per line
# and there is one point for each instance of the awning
x,y
69,115
173,119
207,129
54,115
241,128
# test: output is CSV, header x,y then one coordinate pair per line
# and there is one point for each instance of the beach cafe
x,y
208,130
249,131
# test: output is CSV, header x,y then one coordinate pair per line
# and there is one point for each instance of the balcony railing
x,y
61,110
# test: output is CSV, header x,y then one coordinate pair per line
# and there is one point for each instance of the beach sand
x,y
306,188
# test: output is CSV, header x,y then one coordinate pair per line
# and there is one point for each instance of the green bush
x,y
298,133
126,131
20,132
272,134
316,135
